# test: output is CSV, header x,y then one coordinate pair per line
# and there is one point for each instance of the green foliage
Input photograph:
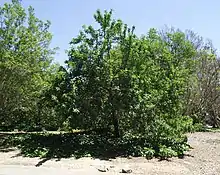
x,y
166,152
134,85
148,152
96,145
203,95
149,90
25,65
98,71
126,81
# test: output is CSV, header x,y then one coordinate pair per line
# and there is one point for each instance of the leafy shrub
x,y
148,152
166,152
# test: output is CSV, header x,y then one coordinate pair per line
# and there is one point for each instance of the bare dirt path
x,y
204,159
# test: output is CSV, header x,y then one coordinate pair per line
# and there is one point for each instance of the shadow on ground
x,y
102,146
70,144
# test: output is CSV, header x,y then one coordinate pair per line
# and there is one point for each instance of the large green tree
x,y
97,65
25,63
135,84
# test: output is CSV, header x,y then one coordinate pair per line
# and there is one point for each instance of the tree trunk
x,y
116,125
114,114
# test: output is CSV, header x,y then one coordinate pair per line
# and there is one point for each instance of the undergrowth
x,y
92,145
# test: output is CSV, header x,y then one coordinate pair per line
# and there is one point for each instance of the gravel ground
x,y
203,159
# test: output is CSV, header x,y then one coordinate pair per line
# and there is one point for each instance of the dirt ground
x,y
204,158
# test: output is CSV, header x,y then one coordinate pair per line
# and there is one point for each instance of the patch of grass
x,y
199,127
212,129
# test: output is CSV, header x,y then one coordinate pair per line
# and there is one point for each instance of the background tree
x,y
202,97
25,64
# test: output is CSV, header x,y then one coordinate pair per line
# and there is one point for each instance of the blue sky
x,y
67,16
